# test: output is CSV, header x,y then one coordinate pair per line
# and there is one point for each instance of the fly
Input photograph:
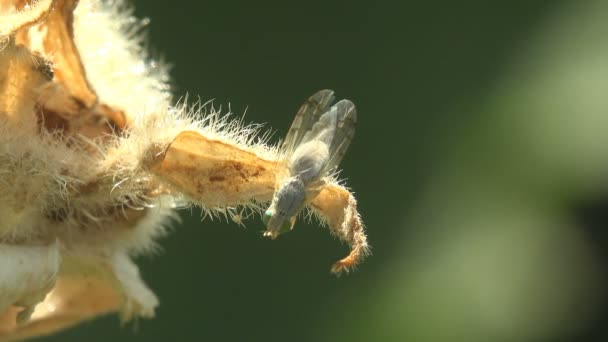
x,y
315,144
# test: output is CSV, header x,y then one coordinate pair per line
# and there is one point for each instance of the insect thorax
x,y
290,198
309,160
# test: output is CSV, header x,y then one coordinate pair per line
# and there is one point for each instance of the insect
x,y
314,146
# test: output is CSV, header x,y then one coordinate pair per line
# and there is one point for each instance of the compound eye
x,y
266,217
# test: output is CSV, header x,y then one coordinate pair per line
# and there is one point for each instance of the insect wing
x,y
346,119
307,116
324,145
310,158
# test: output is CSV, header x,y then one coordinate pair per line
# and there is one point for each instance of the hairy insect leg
x,y
338,207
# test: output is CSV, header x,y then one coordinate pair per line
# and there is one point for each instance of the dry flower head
x,y
91,177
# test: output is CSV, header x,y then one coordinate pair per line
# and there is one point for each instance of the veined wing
x,y
346,119
324,145
307,116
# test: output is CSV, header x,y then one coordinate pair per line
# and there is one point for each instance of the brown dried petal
x,y
20,75
70,96
74,298
59,47
14,21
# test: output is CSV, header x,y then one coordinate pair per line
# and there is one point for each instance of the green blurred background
x,y
480,165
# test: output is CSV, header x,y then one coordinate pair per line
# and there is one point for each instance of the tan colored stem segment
x,y
215,173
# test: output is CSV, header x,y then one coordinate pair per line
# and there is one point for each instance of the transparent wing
x,y
307,116
323,129
324,145
346,119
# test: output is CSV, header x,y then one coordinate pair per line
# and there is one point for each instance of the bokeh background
x,y
480,164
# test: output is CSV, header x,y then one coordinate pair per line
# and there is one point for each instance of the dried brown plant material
x,y
338,207
214,172
91,178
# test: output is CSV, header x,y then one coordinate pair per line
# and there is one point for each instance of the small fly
x,y
315,144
